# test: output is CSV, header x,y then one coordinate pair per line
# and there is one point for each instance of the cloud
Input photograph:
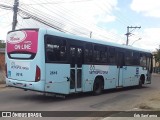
x,y
150,39
89,12
5,23
146,7
81,16
106,18
77,16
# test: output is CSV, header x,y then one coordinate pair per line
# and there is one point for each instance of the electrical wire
x,y
90,30
35,10
68,11
57,23
114,36
6,7
42,21
60,2
65,19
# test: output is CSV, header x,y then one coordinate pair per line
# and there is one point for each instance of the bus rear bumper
x,y
36,86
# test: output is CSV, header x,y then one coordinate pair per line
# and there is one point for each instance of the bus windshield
x,y
22,44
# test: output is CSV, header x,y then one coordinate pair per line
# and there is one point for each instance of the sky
x,y
102,19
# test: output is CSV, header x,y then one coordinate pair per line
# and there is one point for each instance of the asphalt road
x,y
13,99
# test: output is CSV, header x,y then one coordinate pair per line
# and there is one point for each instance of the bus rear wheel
x,y
97,87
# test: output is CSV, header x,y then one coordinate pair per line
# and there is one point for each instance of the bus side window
x,y
63,51
100,54
79,57
143,60
72,56
88,52
128,58
96,54
136,58
55,49
104,55
49,50
149,63
111,56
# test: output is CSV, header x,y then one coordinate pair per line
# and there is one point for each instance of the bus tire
x,y
140,83
97,86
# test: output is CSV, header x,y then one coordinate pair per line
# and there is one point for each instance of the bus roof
x,y
75,37
66,35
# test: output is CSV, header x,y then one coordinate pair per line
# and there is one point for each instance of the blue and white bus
x,y
53,62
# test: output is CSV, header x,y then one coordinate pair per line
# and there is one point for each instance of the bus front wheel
x,y
141,81
140,84
97,87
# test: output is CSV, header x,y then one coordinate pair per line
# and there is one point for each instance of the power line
x,y
60,2
39,13
38,19
119,19
57,23
66,19
6,7
43,21
8,2
52,24
121,16
63,20
95,32
112,34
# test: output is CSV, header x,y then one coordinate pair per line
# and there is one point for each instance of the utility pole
x,y
15,10
90,34
129,32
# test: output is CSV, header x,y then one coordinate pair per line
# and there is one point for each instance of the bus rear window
x,y
22,44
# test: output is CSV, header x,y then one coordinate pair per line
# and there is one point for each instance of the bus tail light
x,y
38,74
6,70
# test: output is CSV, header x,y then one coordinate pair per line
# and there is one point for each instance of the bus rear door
x,y
76,60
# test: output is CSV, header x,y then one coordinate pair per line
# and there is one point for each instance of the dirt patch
x,y
144,106
152,104
155,99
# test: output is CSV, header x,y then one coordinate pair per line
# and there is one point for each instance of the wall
x,y
2,66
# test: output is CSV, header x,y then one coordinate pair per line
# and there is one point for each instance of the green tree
x,y
2,45
157,56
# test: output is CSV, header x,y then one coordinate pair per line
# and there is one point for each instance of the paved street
x,y
13,99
